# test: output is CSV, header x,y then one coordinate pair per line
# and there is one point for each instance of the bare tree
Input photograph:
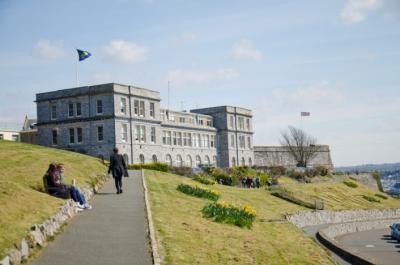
x,y
302,146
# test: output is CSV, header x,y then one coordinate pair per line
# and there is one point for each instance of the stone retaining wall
x,y
40,233
303,219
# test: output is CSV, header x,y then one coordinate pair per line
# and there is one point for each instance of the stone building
x,y
29,134
95,119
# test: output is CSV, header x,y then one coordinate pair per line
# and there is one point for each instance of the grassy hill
x,y
21,170
188,238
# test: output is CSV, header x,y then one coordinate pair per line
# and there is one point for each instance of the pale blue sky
x,y
338,59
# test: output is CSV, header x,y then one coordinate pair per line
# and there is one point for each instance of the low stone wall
x,y
303,219
40,233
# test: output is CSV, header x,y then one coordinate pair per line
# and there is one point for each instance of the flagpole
x,y
76,74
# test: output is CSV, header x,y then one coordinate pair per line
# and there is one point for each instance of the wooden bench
x,y
59,193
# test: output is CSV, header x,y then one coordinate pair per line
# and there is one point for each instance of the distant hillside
x,y
387,167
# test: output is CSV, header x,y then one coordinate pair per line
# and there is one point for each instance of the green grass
x,y
186,237
22,202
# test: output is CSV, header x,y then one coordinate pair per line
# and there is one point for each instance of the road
x,y
375,245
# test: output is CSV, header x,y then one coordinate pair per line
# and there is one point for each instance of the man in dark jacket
x,y
118,168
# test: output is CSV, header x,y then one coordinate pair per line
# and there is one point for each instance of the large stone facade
x,y
95,119
280,156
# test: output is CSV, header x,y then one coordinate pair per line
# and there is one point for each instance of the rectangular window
x,y
184,139
174,138
241,123
152,110
141,109
53,112
78,109
71,110
136,107
249,142
181,119
189,139
200,122
142,134
209,123
168,138
54,137
79,135
123,106
248,124
191,120
195,140
231,125
15,137
232,140
1,136
124,132
99,106
162,114
199,140
212,142
153,135
71,135
100,135
137,132
171,116
179,137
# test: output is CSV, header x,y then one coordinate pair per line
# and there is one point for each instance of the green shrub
x,y
350,184
182,171
370,198
198,192
353,178
225,213
221,177
277,170
382,196
152,166
297,175
203,179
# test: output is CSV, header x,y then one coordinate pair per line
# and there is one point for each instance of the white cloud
x,y
126,52
357,10
182,77
244,49
50,50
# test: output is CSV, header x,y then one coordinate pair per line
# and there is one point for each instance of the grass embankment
x,y
21,170
189,238
339,196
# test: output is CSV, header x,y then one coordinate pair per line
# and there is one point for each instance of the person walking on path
x,y
117,168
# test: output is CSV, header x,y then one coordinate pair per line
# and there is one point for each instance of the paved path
x,y
113,232
377,245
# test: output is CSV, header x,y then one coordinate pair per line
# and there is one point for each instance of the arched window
x,y
243,161
141,159
189,162
233,162
168,159
215,161
179,161
154,158
198,160
207,160
250,162
126,158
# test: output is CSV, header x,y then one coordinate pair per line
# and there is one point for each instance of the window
x,y
168,159
70,109
142,134
137,129
243,161
141,109
53,112
1,136
249,142
248,124
179,138
179,161
154,158
71,135
171,116
169,138
233,162
174,142
54,137
241,123
141,159
242,143
208,141
15,137
195,140
100,135
207,160
209,123
99,107
189,161
124,132
153,135
198,160
181,119
136,107
152,111
184,139
212,142
232,140
231,121
79,135
200,122
250,162
123,106
189,139
191,120
78,109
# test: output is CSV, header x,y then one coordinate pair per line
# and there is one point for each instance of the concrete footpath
x,y
113,232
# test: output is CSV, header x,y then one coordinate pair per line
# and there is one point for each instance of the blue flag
x,y
83,54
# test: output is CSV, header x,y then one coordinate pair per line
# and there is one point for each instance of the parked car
x,y
395,231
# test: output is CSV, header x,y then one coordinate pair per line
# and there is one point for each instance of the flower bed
x,y
225,213
198,192
203,180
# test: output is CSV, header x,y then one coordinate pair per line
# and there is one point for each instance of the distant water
x,y
391,182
